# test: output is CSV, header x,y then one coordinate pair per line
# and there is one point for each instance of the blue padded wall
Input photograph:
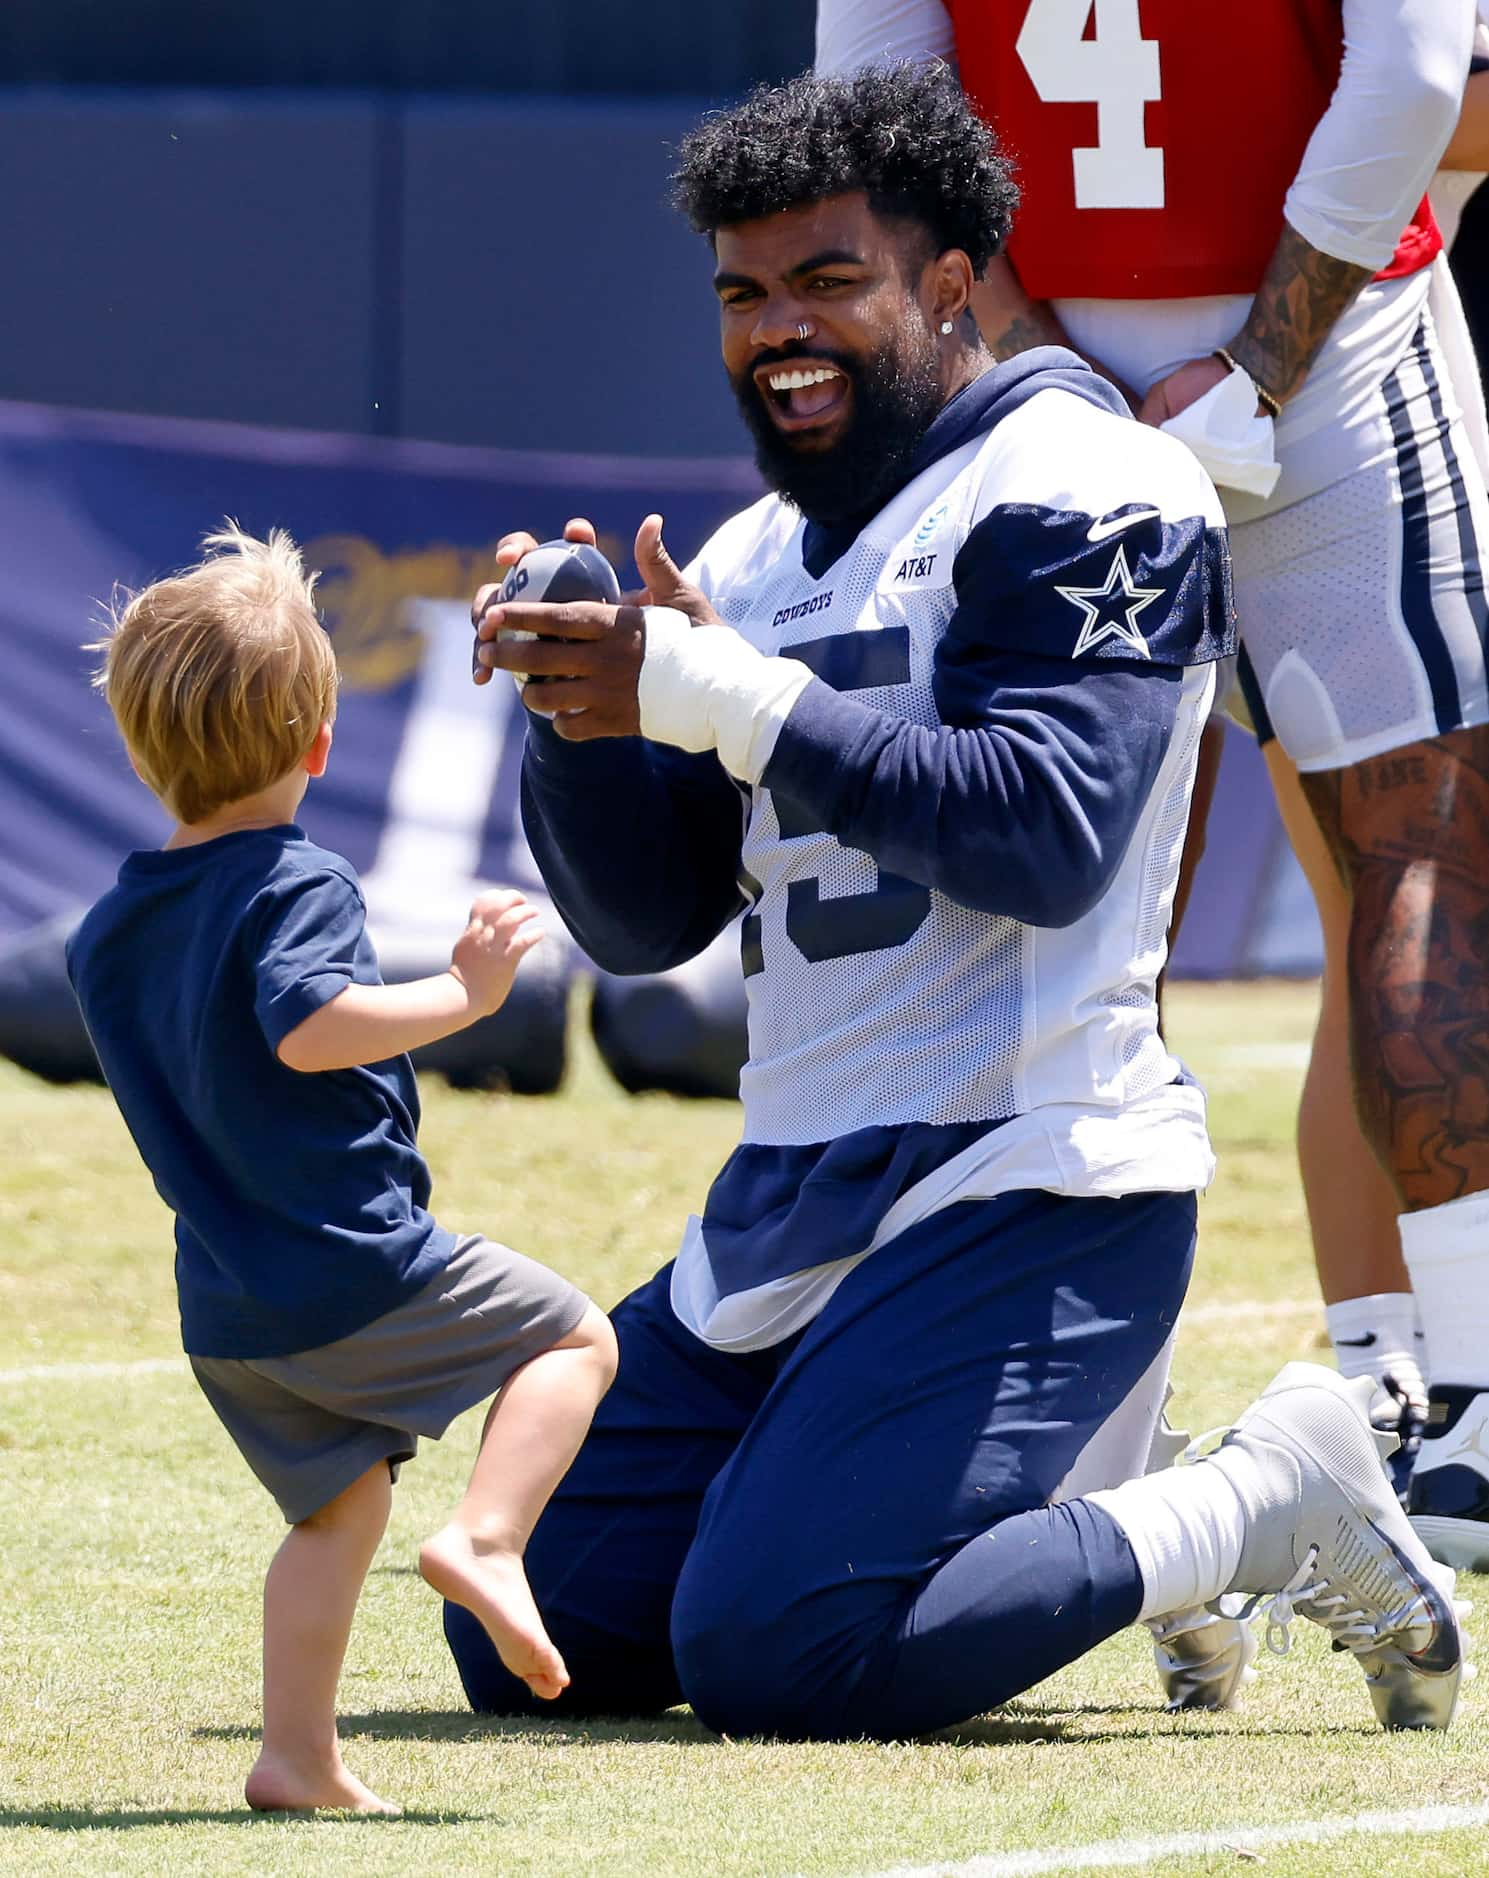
x,y
552,298
545,46
500,271
190,254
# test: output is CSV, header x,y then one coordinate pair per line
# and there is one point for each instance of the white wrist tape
x,y
706,688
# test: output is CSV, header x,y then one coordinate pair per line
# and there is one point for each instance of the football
x,y
557,571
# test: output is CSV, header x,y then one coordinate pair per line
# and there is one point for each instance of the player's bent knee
x,y
736,1685
786,1671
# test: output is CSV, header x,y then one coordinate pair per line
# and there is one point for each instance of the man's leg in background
x,y
1410,832
1365,620
1353,1202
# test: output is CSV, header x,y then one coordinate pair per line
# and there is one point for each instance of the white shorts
x,y
1362,608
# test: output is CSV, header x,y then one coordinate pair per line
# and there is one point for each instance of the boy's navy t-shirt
x,y
300,1200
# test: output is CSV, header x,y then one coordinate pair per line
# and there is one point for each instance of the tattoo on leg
x,y
1410,832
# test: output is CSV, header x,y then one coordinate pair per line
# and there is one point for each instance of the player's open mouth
x,y
804,395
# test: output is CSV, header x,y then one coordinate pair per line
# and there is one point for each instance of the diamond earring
x,y
945,327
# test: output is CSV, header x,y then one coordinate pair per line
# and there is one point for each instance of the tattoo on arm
x,y
1302,295
1011,322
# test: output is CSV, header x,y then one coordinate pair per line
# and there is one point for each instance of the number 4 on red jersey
x,y
1153,165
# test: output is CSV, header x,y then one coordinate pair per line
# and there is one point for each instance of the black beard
x,y
896,394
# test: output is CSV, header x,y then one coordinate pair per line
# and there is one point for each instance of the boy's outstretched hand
x,y
503,929
370,1023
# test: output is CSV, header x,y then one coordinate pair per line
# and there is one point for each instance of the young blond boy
x,y
260,1063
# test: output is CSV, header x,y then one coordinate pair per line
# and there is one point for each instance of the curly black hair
x,y
904,134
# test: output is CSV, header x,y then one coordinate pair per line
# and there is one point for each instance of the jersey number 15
x,y
894,909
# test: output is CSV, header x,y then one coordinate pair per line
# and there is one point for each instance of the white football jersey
x,y
957,1016
876,1003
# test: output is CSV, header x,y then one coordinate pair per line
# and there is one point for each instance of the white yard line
x,y
1129,1854
1250,1309
1136,1853
91,1372
1264,1055
1239,1311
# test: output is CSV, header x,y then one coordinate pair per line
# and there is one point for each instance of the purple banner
x,y
421,792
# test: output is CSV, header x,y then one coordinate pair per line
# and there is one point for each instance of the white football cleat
x,y
1204,1659
1327,1539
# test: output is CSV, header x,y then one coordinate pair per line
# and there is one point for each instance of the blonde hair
x,y
220,677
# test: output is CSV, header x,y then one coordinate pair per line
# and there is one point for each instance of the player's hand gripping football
x,y
588,653
503,929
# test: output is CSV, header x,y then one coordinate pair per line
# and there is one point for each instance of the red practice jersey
x,y
1155,139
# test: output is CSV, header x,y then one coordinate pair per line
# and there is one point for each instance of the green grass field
x,y
133,1543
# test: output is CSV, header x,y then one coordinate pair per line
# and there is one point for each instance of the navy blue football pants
x,y
848,1534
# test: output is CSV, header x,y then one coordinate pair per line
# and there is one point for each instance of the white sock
x,y
1375,1334
1447,1254
1186,1527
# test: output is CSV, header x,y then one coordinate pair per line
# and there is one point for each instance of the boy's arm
x,y
370,1023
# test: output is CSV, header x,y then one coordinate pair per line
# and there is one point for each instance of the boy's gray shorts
x,y
312,1423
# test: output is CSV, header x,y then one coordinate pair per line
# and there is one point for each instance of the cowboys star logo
x,y
1111,610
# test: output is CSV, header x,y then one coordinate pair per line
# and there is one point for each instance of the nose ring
x,y
803,331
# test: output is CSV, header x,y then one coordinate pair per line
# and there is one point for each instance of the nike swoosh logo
x,y
1357,1343
1443,1650
1114,525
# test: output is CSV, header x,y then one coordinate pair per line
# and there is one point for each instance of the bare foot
x,y
492,1585
278,1785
